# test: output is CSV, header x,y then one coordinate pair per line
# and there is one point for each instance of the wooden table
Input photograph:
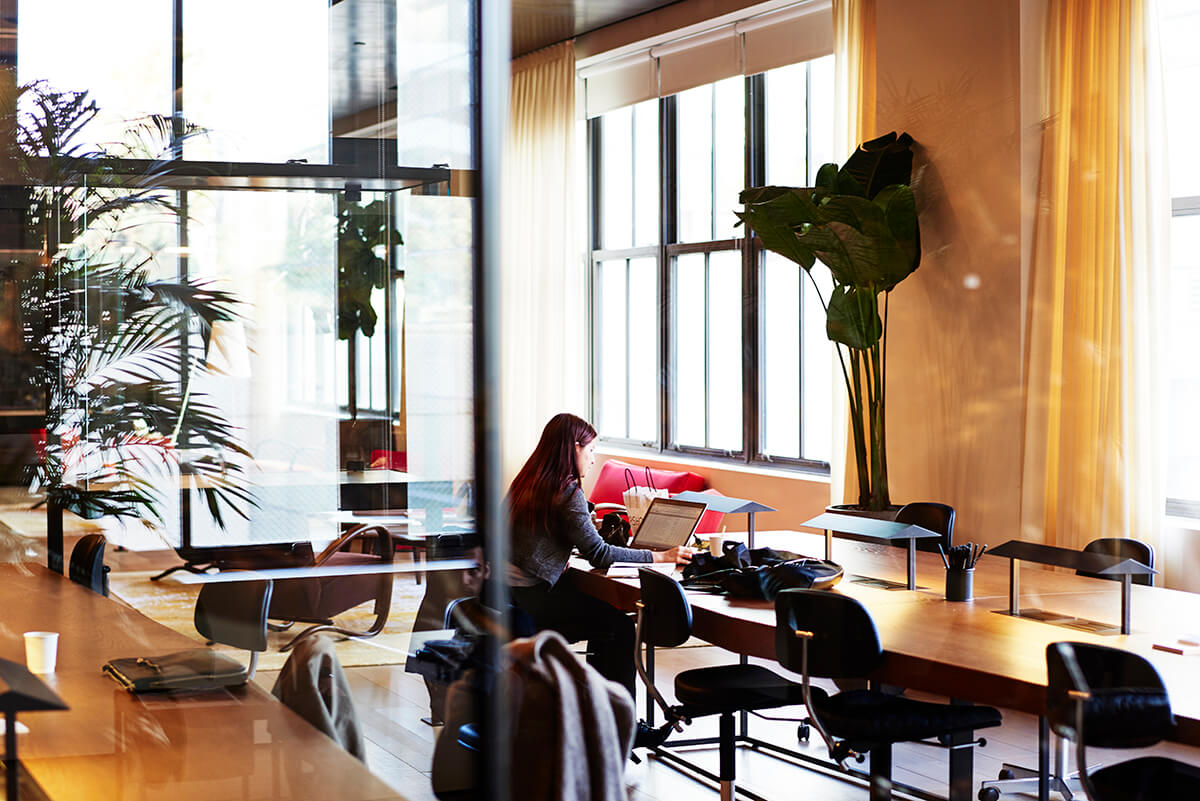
x,y
965,650
113,745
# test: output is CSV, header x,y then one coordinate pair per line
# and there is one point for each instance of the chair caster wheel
x,y
989,794
803,732
1006,775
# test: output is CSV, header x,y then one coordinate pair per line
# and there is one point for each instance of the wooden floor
x,y
391,703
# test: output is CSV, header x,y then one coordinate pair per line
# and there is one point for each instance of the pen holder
x,y
960,584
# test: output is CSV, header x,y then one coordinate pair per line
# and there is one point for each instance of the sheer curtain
x,y
854,96
543,286
1091,460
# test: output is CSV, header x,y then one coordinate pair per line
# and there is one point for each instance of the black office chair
x,y
235,613
664,620
87,564
937,517
1109,698
1123,548
825,635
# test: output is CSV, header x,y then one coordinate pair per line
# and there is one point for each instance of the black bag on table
x,y
192,670
759,574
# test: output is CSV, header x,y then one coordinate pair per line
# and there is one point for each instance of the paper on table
x,y
630,569
1184,646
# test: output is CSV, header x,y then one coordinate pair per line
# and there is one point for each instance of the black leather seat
x,y
1109,698
825,635
87,564
937,517
665,621
1125,548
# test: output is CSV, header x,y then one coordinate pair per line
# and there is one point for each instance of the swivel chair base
x,y
1018,779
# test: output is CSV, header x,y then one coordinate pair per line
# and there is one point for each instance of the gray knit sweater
x,y
544,556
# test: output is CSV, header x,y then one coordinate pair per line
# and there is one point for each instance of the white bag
x,y
638,499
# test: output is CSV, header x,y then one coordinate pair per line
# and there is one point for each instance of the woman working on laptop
x,y
549,517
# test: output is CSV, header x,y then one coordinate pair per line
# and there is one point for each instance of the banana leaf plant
x,y
860,222
113,346
362,232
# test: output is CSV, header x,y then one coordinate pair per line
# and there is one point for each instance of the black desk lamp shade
x,y
20,691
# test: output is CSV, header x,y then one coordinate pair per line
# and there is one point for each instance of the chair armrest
x,y
385,547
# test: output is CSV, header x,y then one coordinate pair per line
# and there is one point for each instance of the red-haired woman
x,y
550,516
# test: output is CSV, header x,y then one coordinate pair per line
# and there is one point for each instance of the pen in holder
x,y
960,570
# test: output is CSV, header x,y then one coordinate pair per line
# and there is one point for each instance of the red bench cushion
x,y
611,482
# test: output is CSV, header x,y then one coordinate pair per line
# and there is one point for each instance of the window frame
x,y
752,452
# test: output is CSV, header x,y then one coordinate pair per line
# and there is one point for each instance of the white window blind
x,y
790,35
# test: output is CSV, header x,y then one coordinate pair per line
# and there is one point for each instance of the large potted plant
x,y
860,221
111,345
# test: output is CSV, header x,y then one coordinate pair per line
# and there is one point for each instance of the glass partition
x,y
238,327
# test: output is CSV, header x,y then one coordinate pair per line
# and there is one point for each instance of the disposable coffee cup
x,y
716,544
41,651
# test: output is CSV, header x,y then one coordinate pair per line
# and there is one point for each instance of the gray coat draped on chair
x,y
313,685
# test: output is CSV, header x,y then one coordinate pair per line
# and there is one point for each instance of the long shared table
x,y
114,745
968,650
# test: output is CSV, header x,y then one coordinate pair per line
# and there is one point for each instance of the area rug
x,y
173,605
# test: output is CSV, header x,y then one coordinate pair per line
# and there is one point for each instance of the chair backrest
x,y
844,643
1128,705
235,613
87,564
937,517
667,615
1125,548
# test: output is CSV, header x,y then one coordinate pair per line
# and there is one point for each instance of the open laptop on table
x,y
668,523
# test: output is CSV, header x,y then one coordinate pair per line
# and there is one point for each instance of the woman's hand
x,y
680,555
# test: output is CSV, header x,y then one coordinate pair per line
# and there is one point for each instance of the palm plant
x,y
860,221
112,344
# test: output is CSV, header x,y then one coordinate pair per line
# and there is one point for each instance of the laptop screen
x,y
667,523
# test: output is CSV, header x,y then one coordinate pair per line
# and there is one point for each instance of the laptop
x,y
667,524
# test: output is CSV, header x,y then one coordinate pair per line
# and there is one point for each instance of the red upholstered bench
x,y
612,482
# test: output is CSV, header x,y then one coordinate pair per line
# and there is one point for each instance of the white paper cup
x,y
716,544
41,651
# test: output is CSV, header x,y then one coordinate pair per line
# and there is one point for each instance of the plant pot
x,y
858,511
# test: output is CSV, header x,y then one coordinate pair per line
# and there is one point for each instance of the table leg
x,y
1126,612
1043,757
11,766
912,563
962,762
649,695
1014,587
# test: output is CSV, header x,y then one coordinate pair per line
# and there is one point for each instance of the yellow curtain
x,y
854,93
1090,465
543,280
854,67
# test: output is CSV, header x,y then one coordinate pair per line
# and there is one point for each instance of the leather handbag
x,y
194,670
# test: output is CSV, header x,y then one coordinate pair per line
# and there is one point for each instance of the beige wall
x,y
950,74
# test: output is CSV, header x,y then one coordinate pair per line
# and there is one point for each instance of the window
x,y
1180,25
702,342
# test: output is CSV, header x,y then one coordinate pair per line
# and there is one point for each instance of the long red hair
x,y
549,471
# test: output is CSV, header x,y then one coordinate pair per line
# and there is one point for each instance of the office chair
x,y
1109,698
937,517
317,599
235,613
825,635
1020,779
87,564
1124,548
664,620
